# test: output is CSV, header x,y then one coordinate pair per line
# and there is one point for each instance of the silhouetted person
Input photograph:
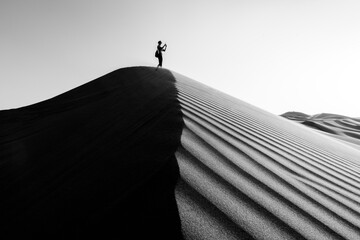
x,y
158,53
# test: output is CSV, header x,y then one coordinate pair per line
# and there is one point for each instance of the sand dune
x,y
145,154
96,162
248,174
340,127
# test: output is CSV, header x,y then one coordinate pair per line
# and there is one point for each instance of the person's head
x,y
159,42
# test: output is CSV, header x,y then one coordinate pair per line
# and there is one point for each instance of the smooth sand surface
x,y
96,162
249,174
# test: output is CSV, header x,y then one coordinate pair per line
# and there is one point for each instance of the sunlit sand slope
x,y
248,174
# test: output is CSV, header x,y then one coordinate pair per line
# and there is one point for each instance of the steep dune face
x,y
97,161
248,174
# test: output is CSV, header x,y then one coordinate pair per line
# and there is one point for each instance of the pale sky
x,y
279,55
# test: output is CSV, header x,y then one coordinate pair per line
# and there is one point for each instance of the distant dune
x,y
296,116
156,155
337,126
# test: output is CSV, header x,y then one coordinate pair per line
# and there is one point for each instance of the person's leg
x,y
160,61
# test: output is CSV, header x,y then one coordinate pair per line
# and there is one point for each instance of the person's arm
x,y
164,47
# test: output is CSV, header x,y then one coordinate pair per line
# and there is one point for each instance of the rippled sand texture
x,y
249,174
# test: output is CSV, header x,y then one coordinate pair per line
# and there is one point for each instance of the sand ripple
x,y
248,174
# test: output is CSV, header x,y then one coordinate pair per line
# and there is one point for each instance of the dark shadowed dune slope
x,y
97,161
